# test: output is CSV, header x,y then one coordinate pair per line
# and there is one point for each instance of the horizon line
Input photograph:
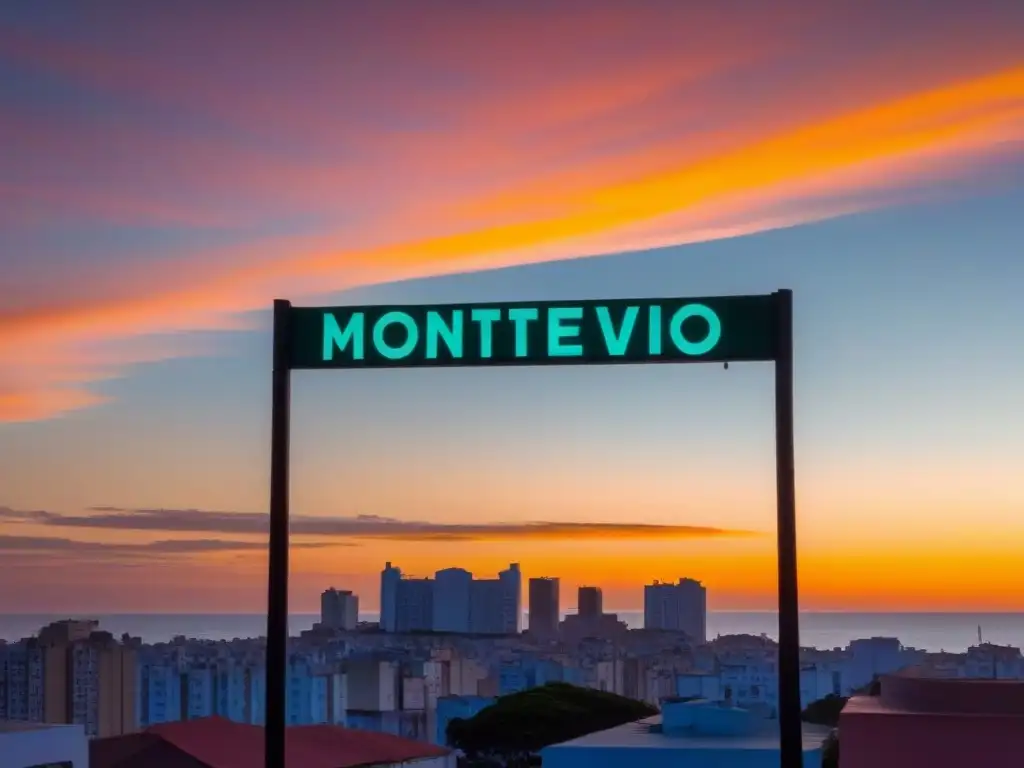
x,y
85,615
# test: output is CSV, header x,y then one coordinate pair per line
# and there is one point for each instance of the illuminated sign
x,y
723,328
671,330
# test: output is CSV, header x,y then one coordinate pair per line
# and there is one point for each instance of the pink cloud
x,y
426,143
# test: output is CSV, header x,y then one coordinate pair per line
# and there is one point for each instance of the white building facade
x,y
681,607
452,588
453,601
339,609
33,745
414,610
390,577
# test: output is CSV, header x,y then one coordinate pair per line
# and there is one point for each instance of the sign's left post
x,y
277,587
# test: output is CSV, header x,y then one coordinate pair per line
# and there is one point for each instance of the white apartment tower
x,y
453,601
511,581
389,580
339,609
452,588
681,607
414,605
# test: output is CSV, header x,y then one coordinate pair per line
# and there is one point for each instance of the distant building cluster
x,y
445,648
678,607
453,601
71,673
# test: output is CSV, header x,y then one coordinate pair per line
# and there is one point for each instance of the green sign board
x,y
717,329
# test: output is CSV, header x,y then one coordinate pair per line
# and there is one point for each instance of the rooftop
x,y
648,735
215,742
912,693
697,725
10,726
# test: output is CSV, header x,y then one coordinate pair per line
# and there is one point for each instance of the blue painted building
x,y
417,725
199,692
697,734
158,695
530,672
306,702
455,707
231,687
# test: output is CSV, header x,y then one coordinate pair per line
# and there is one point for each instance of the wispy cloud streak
x,y
486,139
358,527
47,545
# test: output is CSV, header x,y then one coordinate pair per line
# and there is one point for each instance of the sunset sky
x,y
168,169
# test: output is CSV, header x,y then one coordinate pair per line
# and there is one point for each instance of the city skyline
x,y
870,158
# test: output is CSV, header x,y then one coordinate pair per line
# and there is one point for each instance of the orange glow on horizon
x,y
843,582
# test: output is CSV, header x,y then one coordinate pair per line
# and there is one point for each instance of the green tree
x,y
516,727
825,711
830,752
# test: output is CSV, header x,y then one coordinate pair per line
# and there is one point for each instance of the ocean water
x,y
953,632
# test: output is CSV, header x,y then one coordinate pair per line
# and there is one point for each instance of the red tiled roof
x,y
215,742
138,749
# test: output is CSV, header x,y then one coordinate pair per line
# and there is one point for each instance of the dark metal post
x,y
790,731
277,591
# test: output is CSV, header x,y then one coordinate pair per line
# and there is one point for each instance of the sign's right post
x,y
790,731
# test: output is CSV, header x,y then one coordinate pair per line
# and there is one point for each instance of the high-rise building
x,y
590,602
22,673
511,581
414,609
679,607
544,612
389,580
452,600
485,608
339,609
74,674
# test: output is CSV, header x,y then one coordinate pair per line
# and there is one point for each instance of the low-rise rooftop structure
x,y
939,722
27,745
215,742
697,734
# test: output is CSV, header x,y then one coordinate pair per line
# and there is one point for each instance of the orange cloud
x,y
739,572
31,403
517,167
360,527
975,113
